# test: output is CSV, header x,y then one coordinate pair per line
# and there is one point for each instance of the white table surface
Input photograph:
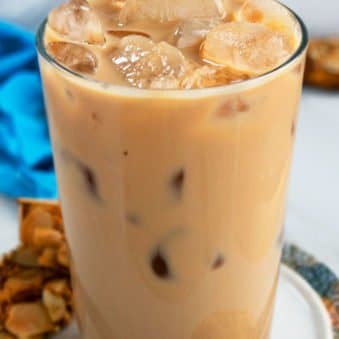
x,y
313,204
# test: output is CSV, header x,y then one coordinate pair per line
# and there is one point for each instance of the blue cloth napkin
x,y
26,164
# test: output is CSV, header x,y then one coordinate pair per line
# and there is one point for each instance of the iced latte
x,y
172,125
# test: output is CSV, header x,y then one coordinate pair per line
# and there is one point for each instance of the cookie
x,y
322,66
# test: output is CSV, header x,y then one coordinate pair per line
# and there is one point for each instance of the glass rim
x,y
183,93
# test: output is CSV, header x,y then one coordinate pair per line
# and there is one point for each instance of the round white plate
x,y
299,312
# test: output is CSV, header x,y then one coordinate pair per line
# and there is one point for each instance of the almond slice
x,y
48,258
28,319
4,335
55,305
36,218
63,256
27,282
26,257
47,238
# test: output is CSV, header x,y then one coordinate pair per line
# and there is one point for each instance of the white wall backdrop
x,y
321,16
28,13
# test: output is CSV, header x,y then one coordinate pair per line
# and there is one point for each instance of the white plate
x,y
299,314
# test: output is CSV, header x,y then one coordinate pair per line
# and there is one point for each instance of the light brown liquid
x,y
174,203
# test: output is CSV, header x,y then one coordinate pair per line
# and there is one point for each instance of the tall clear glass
x,y
174,200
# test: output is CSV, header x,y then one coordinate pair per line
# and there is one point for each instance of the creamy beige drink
x,y
173,124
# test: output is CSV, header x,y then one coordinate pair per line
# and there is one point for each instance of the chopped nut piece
x,y
35,292
37,218
47,238
55,305
26,257
4,335
58,222
52,207
48,258
25,283
59,287
63,257
4,297
28,319
7,269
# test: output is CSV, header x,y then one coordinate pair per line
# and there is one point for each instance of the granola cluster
x,y
35,289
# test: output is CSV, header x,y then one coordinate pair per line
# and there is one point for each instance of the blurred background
x,y
320,16
313,203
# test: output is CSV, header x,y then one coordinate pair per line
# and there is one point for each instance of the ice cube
x,y
246,47
210,76
269,12
118,4
76,21
171,10
74,57
108,8
145,64
249,12
232,107
192,32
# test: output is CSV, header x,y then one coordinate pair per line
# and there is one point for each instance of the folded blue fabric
x,y
26,165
